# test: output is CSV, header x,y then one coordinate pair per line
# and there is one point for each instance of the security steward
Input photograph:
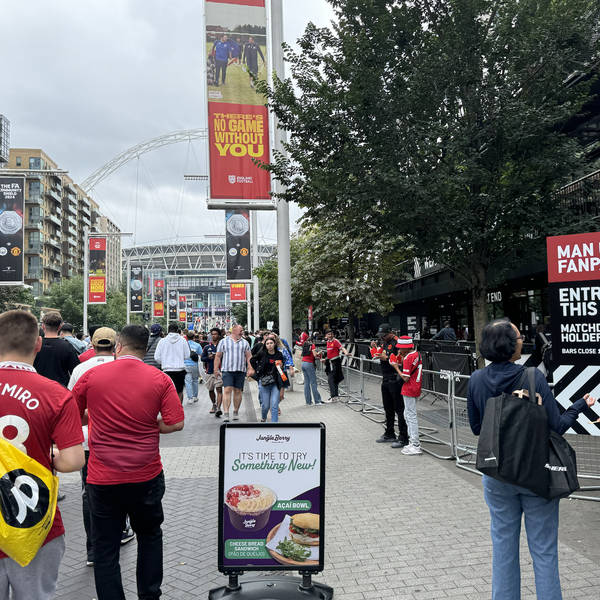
x,y
391,390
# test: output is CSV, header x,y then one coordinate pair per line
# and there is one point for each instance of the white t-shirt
x,y
78,371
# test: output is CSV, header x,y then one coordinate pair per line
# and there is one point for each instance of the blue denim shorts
x,y
234,379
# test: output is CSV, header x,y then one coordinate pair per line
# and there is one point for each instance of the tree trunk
x,y
351,330
479,297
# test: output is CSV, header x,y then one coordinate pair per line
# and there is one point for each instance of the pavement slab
x,y
401,527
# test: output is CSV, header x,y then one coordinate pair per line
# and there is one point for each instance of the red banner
x,y
237,51
237,292
97,271
158,298
573,257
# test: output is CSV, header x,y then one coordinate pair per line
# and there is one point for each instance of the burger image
x,y
304,529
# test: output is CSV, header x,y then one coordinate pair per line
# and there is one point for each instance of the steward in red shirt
x,y
35,413
123,400
333,368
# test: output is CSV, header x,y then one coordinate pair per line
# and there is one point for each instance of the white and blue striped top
x,y
234,354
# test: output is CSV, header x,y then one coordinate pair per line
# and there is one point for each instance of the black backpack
x,y
513,442
306,349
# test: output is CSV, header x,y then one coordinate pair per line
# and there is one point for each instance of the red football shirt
x,y
333,348
35,413
412,365
87,355
375,351
123,399
310,358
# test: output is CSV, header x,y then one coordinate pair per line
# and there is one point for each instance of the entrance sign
x,y
574,298
97,271
237,245
158,298
136,284
12,233
238,124
271,497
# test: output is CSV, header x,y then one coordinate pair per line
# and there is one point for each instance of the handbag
x,y
562,466
267,380
193,356
513,443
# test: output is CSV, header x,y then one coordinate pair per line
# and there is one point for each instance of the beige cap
x,y
104,336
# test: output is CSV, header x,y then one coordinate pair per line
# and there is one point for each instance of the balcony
x,y
71,208
54,242
34,248
33,273
54,195
85,209
54,219
34,223
54,266
36,198
69,190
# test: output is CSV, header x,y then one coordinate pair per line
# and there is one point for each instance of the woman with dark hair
x,y
265,364
501,343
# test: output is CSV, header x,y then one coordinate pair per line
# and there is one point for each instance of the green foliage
x,y
12,296
439,122
67,297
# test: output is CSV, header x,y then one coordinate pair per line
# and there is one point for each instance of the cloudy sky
x,y
87,80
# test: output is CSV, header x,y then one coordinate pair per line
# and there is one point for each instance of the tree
x,y
12,296
441,122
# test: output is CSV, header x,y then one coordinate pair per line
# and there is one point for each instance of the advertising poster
x,y
574,297
271,490
158,298
97,271
136,285
182,302
173,307
238,125
182,316
237,292
237,245
12,236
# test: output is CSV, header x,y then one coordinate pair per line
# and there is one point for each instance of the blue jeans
x,y
507,504
191,380
310,383
269,399
410,416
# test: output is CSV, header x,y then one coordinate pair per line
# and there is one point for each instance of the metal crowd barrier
x,y
446,418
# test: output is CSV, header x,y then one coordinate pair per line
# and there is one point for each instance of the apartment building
x,y
57,214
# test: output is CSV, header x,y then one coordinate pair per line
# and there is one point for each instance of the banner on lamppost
x,y
173,298
182,302
158,298
237,245
136,285
237,292
574,298
12,235
182,316
238,123
97,271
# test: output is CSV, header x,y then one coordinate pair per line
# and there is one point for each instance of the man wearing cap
x,y
155,337
391,393
410,368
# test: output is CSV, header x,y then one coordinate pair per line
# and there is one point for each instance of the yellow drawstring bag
x,y
28,493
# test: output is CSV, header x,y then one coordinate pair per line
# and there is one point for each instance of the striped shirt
x,y
234,354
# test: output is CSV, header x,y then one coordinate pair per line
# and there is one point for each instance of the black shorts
x,y
178,378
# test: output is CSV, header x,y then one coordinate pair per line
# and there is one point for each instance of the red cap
x,y
405,342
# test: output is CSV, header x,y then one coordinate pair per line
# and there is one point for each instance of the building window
x,y
35,162
18,161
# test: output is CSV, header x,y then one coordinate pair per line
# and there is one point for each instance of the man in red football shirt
x,y
35,414
410,369
123,400
334,372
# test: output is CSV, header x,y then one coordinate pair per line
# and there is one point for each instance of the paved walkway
x,y
407,528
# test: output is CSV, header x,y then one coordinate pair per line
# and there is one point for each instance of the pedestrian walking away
x,y
409,367
265,364
214,384
391,390
311,389
122,401
155,337
501,343
192,373
232,363
171,353
66,332
49,418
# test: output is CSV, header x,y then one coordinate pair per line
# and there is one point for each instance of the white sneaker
x,y
411,450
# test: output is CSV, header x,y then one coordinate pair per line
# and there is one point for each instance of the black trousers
x,y
221,69
85,508
333,384
393,404
109,505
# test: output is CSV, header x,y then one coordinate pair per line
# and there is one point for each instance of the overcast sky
x,y
85,81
